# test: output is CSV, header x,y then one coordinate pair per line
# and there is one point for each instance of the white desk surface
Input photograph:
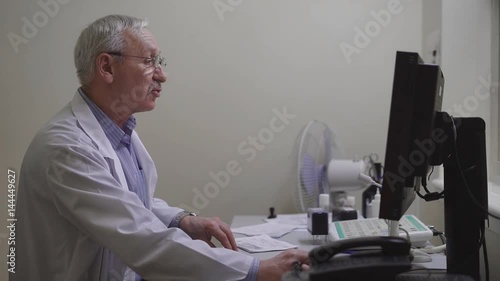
x,y
301,238
304,240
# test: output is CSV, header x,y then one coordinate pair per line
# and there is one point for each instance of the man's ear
x,y
104,67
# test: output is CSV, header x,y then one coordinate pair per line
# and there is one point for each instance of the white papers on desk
x,y
262,243
300,220
274,230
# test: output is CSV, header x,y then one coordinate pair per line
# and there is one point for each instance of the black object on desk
x,y
425,275
317,221
272,215
344,213
389,256
368,196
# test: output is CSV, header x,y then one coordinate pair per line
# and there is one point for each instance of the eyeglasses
x,y
155,60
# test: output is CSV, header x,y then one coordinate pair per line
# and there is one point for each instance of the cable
x,y
416,188
434,250
443,238
436,232
424,184
485,253
420,195
407,233
486,211
429,196
420,256
430,174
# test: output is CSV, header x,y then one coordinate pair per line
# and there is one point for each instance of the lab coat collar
x,y
147,164
91,127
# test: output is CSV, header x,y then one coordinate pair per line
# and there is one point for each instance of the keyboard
x,y
419,233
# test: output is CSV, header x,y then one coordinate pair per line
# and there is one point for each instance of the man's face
x,y
137,80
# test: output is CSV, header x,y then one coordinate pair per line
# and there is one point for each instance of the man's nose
x,y
159,75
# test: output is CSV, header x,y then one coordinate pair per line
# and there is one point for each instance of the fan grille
x,y
315,152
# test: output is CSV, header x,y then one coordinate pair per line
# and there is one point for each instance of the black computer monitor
x,y
420,135
417,95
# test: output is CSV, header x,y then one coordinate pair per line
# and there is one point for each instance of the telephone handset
x,y
385,258
389,245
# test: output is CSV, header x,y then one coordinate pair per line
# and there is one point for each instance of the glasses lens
x,y
156,61
162,61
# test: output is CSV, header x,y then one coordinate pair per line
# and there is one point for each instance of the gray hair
x,y
103,35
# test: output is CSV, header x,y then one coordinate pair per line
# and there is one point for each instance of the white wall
x,y
495,62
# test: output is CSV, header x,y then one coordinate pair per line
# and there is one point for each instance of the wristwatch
x,y
177,219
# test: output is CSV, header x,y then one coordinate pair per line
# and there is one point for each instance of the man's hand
x,y
205,228
272,269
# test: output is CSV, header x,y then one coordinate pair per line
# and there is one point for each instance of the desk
x,y
303,239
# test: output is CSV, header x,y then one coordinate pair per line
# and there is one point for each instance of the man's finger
x,y
230,236
222,237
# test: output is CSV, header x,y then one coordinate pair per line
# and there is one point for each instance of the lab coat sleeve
x,y
86,194
163,211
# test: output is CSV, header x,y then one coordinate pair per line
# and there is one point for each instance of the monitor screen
x,y
417,94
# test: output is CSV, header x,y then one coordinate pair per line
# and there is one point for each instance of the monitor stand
x,y
465,204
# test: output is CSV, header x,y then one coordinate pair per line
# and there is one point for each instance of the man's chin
x,y
147,107
151,106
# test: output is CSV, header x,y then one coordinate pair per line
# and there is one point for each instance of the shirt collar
x,y
115,134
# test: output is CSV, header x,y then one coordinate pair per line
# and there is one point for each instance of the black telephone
x,y
370,258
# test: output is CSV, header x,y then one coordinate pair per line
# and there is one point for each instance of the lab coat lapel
x,y
147,164
93,129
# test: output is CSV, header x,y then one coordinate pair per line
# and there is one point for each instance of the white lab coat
x,y
74,207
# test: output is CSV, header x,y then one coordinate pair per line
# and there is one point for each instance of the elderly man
x,y
86,210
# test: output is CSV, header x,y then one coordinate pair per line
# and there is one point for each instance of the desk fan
x,y
319,172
